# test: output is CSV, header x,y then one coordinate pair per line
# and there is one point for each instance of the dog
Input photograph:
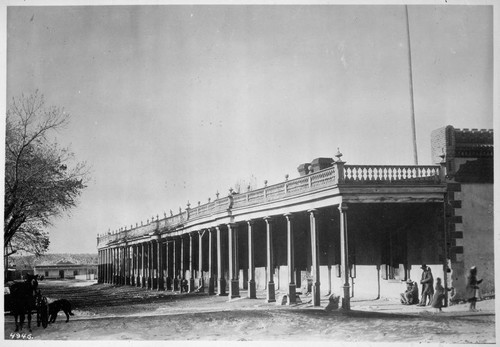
x,y
58,305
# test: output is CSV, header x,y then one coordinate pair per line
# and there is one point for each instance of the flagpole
x,y
414,132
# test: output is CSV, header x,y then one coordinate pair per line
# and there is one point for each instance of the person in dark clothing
x,y
472,288
410,296
427,283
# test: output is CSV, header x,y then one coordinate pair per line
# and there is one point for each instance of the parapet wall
x,y
461,143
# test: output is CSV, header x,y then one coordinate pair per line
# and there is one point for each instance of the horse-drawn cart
x,y
19,301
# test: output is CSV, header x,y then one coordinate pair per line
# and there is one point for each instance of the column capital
x,y
289,216
312,211
343,207
250,222
232,226
268,219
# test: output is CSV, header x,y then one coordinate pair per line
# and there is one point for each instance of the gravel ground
x,y
107,312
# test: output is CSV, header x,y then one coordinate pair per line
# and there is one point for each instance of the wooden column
x,y
120,266
99,262
175,266
110,266
137,268
99,268
270,261
290,260
150,265
119,263
252,293
106,254
159,264
232,233
103,254
127,265
143,265
146,264
315,258
168,265
132,265
191,268
124,255
100,278
221,284
152,262
211,280
200,261
183,274
113,267
103,266
344,256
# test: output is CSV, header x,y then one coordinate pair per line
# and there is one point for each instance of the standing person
x,y
472,288
439,295
427,283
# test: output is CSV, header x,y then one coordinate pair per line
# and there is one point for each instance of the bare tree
x,y
41,180
244,185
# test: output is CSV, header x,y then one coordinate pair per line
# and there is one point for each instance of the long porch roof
x,y
327,187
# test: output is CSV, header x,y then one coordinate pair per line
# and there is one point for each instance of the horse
x,y
23,300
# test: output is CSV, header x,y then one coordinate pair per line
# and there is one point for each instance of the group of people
x,y
435,295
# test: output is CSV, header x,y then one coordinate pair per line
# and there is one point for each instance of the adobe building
x,y
64,269
351,230
469,207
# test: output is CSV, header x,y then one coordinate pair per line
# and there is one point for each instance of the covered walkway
x,y
331,227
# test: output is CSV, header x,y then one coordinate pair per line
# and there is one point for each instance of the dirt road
x,y
105,312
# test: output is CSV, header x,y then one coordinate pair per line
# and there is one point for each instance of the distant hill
x,y
30,261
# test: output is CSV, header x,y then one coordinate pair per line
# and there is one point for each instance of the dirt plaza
x,y
107,312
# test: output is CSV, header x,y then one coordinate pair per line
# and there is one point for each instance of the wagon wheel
x,y
45,314
42,314
45,320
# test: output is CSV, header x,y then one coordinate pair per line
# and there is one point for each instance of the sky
x,y
171,104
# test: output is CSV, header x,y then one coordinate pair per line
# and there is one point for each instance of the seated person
x,y
410,296
184,285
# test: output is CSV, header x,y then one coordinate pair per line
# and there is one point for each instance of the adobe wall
x,y
470,233
477,220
